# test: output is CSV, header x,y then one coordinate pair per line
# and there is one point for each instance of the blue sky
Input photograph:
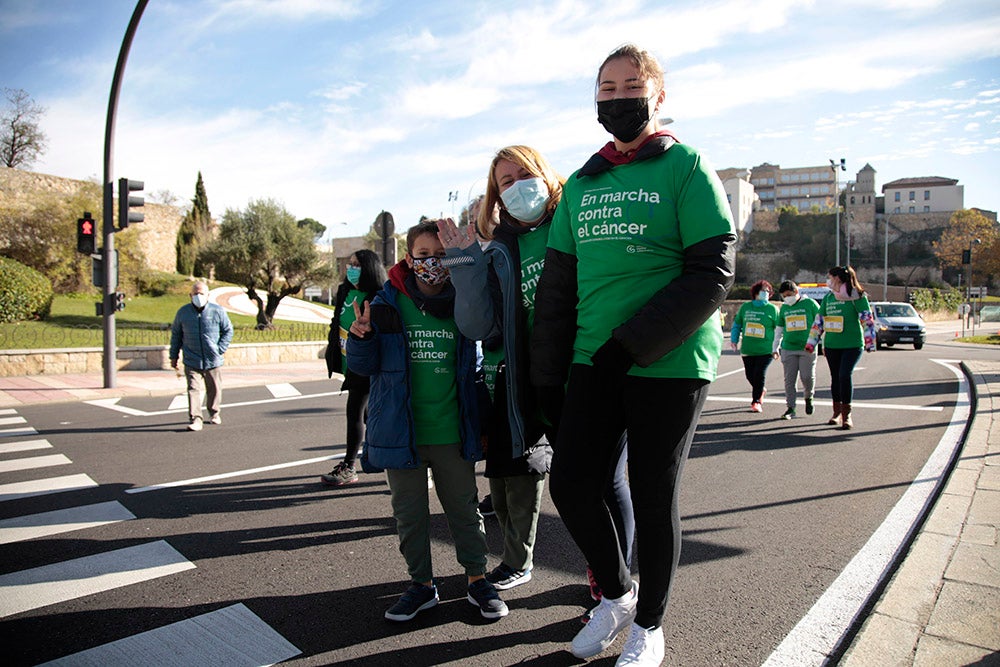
x,y
342,108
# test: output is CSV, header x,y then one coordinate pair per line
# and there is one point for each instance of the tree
x,y
313,226
964,228
21,140
195,232
263,248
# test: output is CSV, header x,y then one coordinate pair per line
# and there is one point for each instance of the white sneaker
x,y
610,618
216,419
195,424
644,648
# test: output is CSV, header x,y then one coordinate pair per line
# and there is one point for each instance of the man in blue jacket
x,y
204,332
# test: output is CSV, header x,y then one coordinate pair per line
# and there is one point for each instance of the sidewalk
x,y
940,608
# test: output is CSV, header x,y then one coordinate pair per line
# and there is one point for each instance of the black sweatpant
x,y
660,416
755,368
357,415
842,363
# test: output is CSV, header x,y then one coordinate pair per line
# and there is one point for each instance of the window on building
x,y
770,181
927,209
913,195
913,209
897,210
852,199
927,195
898,198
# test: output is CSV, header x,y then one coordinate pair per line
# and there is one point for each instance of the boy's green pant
x,y
455,484
517,501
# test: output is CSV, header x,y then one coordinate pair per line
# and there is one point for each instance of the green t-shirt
x,y
841,322
628,228
433,346
491,364
531,245
756,324
797,320
347,316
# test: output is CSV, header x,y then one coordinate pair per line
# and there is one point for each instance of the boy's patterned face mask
x,y
429,270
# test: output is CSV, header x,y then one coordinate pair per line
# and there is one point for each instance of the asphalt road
x,y
230,525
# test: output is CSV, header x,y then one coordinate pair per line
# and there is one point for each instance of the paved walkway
x,y
942,607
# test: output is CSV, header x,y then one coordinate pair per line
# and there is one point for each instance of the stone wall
x,y
157,233
90,359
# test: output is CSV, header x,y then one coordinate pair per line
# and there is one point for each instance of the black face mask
x,y
624,117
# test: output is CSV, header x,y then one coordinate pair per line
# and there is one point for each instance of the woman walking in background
x,y
755,321
846,324
365,276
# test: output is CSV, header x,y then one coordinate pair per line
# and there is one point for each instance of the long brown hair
x,y
846,275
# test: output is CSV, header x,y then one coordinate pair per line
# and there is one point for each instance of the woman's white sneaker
x,y
610,618
644,648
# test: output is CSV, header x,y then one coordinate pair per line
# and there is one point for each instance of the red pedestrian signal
x,y
86,235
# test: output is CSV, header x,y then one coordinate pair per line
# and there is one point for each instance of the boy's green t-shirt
x,y
756,324
628,228
432,344
841,322
347,316
491,365
797,319
531,246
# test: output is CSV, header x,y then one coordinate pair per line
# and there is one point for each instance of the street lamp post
x,y
836,198
885,275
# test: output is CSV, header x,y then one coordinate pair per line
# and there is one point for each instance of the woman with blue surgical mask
x,y
755,322
495,290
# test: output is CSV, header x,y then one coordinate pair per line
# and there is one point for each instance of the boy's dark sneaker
x,y
416,598
483,595
342,474
809,406
503,577
486,506
789,414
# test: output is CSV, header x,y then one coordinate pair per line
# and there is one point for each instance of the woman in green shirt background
x,y
846,323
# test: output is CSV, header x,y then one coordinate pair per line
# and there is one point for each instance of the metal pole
x,y
885,276
109,289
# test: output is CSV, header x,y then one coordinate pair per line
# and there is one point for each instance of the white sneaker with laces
x,y
610,618
195,424
644,648
216,419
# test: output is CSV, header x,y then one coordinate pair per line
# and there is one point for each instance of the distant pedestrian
x,y
365,276
422,372
846,326
755,322
203,331
795,318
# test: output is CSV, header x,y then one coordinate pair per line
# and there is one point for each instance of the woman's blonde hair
x,y
536,165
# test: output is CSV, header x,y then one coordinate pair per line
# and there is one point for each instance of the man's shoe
x,y
342,474
644,648
416,598
595,588
486,506
610,618
216,419
789,414
195,424
503,577
483,595
809,406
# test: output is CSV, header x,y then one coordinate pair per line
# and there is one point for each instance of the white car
x,y
898,323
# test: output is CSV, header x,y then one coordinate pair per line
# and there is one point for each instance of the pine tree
x,y
195,233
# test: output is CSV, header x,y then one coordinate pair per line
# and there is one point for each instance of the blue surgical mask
x,y
525,200
354,274
762,297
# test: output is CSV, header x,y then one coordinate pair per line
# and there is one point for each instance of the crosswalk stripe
x,y
179,402
12,432
43,524
40,487
23,446
68,580
8,411
230,636
7,421
283,390
34,462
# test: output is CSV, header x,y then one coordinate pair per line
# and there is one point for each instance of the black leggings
x,y
660,416
357,415
755,368
842,363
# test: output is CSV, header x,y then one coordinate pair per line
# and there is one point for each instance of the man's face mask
x,y
199,300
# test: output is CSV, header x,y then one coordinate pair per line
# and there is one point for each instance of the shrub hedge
x,y
25,294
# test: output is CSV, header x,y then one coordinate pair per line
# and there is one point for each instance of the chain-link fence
x,y
41,336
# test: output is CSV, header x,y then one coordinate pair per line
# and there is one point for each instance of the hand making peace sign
x,y
362,324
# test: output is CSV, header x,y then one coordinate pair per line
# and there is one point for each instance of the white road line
x,y
230,636
179,403
71,579
43,524
7,421
815,637
12,432
40,487
111,404
33,462
8,411
238,473
283,390
876,406
23,446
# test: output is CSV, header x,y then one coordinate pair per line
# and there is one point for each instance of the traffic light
x,y
119,301
126,202
86,235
